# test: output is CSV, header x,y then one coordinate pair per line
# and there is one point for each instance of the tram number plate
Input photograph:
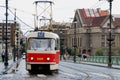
x,y
39,59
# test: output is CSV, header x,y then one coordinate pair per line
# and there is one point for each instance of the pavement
x,y
11,66
2,66
102,65
95,64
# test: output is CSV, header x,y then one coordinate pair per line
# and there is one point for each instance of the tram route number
x,y
39,59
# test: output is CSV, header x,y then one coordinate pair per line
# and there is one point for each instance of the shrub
x,y
99,52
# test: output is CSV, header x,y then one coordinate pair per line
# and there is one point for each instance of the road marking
x,y
41,75
26,76
101,74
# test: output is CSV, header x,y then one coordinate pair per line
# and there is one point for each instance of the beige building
x,y
92,29
11,33
61,29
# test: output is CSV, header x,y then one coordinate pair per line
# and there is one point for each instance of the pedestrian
x,y
79,55
3,56
65,57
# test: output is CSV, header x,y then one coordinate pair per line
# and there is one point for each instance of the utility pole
x,y
14,37
51,28
110,39
75,44
6,47
17,35
14,49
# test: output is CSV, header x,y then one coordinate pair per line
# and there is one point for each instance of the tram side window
x,y
57,46
32,44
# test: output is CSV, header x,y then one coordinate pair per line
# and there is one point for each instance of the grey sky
x,y
63,10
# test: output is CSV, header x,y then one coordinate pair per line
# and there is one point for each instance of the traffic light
x,y
21,41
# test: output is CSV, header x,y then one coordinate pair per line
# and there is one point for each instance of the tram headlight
x,y
31,58
48,58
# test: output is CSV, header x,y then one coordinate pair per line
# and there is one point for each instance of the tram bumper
x,y
28,66
41,66
53,66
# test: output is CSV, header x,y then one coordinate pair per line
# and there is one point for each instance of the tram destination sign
x,y
41,34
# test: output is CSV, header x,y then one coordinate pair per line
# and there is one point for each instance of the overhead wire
x,y
44,10
21,20
98,4
18,17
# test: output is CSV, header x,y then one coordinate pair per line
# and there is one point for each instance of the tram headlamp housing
x,y
31,58
48,58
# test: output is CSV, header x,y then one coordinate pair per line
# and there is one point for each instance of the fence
x,y
99,59
9,57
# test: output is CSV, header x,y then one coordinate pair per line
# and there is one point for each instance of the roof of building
x,y
92,17
95,17
91,13
117,22
97,21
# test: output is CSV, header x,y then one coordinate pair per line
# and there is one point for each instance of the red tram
x,y
43,51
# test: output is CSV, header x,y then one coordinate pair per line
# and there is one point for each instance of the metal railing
x,y
103,59
98,59
9,58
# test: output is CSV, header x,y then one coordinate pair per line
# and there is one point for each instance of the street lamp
x,y
17,35
75,44
88,30
110,39
61,44
14,37
6,48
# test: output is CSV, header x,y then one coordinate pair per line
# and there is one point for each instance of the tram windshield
x,y
41,44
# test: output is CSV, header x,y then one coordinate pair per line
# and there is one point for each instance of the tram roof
x,y
46,34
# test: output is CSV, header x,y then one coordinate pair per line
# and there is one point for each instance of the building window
x,y
103,37
72,42
103,44
80,42
108,24
113,36
107,44
76,42
113,44
103,30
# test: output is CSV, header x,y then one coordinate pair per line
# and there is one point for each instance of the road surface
x,y
67,71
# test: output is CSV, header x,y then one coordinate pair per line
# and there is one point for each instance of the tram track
x,y
90,75
81,74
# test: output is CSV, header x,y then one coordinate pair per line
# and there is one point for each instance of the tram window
x,y
57,46
42,44
51,44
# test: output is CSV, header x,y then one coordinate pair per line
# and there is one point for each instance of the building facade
x,y
61,29
92,29
12,32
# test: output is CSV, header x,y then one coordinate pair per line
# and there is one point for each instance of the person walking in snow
x,y
3,56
